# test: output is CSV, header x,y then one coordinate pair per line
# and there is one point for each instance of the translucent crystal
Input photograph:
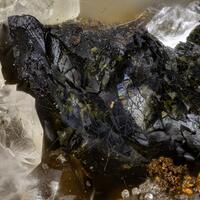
x,y
47,11
174,23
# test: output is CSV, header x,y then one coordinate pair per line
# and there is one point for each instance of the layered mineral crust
x,y
112,97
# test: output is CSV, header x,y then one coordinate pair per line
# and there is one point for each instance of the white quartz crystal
x,y
174,23
47,11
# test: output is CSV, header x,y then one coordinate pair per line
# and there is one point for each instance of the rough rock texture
x,y
114,98
173,179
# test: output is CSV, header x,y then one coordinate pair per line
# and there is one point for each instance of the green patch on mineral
x,y
94,50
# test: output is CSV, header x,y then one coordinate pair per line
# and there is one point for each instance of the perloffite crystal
x,y
112,97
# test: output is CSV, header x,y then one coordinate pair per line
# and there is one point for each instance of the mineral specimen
x,y
114,98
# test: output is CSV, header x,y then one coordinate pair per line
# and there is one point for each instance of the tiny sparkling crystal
x,y
148,196
125,194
